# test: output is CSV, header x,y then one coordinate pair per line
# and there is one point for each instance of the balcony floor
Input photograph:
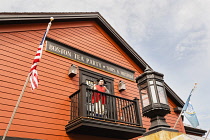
x,y
103,128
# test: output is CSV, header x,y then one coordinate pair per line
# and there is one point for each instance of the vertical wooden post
x,y
138,114
82,100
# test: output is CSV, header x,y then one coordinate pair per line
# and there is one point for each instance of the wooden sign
x,y
88,59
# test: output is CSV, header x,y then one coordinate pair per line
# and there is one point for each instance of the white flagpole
x,y
21,94
207,134
182,109
178,119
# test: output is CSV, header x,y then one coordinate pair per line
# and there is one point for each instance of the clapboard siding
x,y
32,102
36,132
35,118
172,117
32,123
34,106
87,46
92,46
44,112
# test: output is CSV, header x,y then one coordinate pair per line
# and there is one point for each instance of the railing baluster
x,y
88,102
111,108
138,117
116,109
132,113
108,107
126,110
100,106
91,104
104,106
95,105
82,100
121,106
122,110
135,117
129,111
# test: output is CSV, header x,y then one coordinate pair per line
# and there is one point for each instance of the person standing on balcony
x,y
99,99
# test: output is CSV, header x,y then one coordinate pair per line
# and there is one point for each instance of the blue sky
x,y
172,36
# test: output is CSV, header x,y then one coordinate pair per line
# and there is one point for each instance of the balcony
x,y
106,115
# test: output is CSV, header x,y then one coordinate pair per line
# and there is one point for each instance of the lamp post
x,y
154,100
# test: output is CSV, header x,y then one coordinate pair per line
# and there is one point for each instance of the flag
x,y
185,107
186,104
34,74
34,79
189,113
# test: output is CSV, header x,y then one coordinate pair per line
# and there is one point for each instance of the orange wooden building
x,y
61,108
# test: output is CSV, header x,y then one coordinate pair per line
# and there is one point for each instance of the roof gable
x,y
90,39
20,18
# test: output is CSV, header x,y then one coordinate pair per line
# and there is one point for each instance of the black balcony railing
x,y
98,105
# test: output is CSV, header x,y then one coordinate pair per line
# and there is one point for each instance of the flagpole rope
x,y
182,108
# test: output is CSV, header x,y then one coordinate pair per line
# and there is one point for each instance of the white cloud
x,y
172,36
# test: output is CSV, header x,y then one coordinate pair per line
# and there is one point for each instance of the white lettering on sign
x,y
88,59
59,50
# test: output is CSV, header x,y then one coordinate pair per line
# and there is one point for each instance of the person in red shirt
x,y
98,99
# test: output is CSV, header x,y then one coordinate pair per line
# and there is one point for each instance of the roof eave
x,y
195,131
173,96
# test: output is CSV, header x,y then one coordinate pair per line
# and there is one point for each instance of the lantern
x,y
72,70
154,100
121,86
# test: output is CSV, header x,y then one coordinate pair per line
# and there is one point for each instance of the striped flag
x,y
34,74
